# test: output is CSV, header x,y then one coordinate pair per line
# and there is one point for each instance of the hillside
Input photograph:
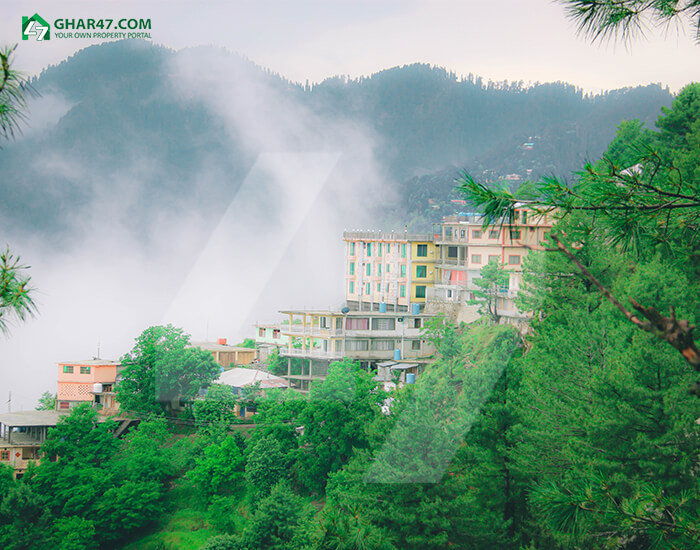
x,y
137,140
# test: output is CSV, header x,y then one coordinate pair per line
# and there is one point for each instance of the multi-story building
x,y
388,271
317,338
92,380
465,246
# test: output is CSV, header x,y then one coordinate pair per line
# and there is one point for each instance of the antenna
x,y
98,347
9,403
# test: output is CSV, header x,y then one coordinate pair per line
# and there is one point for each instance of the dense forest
x,y
125,116
579,433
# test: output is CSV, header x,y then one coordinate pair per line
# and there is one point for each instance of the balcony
x,y
311,354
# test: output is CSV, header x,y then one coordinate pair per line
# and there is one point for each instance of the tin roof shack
x,y
21,435
238,379
226,355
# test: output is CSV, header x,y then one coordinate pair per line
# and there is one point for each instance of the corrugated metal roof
x,y
239,378
31,418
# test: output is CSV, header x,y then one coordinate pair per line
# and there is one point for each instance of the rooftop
x,y
214,346
404,236
31,418
92,363
331,313
239,378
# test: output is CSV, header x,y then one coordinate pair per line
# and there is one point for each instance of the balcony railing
x,y
310,353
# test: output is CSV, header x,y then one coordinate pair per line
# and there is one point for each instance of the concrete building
x,y
226,355
393,269
92,380
317,338
268,337
465,246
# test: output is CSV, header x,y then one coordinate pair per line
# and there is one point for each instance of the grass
x,y
183,527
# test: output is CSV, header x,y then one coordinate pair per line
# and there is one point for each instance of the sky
x,y
528,40
106,288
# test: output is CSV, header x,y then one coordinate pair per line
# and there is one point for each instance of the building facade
x,y
317,338
465,246
87,381
391,271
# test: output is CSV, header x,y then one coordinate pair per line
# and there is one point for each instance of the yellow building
x,y
388,271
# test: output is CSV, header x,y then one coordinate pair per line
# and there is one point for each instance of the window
x,y
4,455
422,250
382,345
379,249
383,323
369,249
369,269
338,323
64,405
352,268
388,268
68,369
402,291
476,233
357,345
463,233
415,345
403,270
379,269
352,287
379,287
493,258
261,332
352,249
452,251
514,260
84,370
387,287
515,233
276,333
417,322
476,258
403,250
448,232
421,271
524,216
420,291
357,323
368,289
493,234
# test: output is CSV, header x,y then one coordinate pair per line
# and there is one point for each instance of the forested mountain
x,y
121,118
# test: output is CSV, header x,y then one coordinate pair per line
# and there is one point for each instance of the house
x,y
227,355
321,337
92,380
22,434
268,337
239,378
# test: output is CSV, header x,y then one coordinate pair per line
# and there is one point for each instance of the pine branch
x,y
678,334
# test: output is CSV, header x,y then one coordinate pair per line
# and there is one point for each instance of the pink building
x,y
92,381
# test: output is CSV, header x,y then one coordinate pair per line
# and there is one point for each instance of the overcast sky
x,y
529,40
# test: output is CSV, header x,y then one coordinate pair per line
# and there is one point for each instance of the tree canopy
x,y
163,369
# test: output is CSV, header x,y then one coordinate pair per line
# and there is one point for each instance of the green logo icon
x,y
35,26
